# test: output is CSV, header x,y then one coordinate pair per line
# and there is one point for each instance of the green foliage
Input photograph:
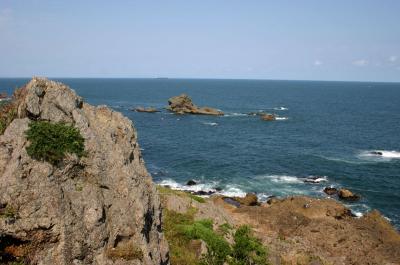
x,y
169,191
218,247
247,250
52,141
197,198
178,242
224,229
8,212
8,113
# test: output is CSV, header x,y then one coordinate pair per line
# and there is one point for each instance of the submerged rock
x,y
183,104
100,209
148,110
191,183
346,194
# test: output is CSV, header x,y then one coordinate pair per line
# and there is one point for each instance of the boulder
x,y
268,117
183,104
249,200
191,183
346,194
100,209
148,110
330,190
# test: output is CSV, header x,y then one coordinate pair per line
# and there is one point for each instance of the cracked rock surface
x,y
100,209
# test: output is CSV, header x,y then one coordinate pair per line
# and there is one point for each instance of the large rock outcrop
x,y
183,104
100,209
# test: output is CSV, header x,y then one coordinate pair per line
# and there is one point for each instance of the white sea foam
x,y
315,179
235,114
380,154
281,118
281,178
280,108
357,214
210,123
232,191
207,187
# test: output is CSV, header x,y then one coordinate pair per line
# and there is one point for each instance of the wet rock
x,y
148,110
268,117
346,194
183,104
314,179
101,209
203,193
249,200
191,183
330,190
231,201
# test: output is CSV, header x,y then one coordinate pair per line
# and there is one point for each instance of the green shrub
x,y
247,250
52,141
218,248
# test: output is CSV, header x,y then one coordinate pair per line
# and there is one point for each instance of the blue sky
x,y
306,40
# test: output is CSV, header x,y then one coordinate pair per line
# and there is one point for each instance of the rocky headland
x,y
183,104
102,208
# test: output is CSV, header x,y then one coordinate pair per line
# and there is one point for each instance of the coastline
x,y
300,229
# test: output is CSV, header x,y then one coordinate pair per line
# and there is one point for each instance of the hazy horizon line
x,y
198,78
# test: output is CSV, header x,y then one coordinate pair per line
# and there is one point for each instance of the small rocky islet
x,y
103,207
183,104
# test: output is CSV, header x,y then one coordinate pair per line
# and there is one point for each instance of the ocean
x,y
324,129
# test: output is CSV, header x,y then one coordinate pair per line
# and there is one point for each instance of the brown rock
x,y
348,195
148,110
183,104
268,117
249,200
101,209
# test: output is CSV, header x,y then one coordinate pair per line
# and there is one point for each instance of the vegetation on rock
x,y
52,141
181,229
8,113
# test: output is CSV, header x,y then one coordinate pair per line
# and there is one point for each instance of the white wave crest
x,y
280,108
235,114
232,191
383,154
210,123
281,118
207,187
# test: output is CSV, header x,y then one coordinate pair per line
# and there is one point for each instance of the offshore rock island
x,y
101,206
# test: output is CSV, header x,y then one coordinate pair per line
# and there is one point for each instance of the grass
x,y
127,252
8,212
8,112
181,229
178,242
169,191
52,141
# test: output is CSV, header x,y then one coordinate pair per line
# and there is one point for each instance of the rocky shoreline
x,y
103,207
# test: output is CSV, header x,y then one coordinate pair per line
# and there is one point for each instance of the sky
x,y
341,40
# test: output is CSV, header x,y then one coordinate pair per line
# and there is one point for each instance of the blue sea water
x,y
325,129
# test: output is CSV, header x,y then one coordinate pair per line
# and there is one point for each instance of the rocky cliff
x,y
99,209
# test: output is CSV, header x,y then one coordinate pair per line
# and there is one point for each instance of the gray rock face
x,y
100,209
